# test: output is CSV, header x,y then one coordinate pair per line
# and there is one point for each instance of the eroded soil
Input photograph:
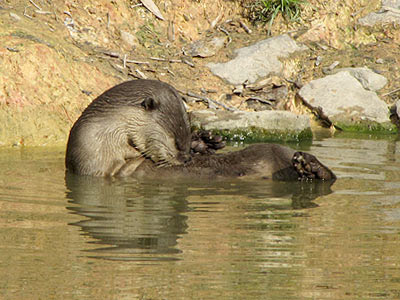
x,y
57,56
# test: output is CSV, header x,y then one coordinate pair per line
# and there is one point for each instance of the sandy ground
x,y
57,56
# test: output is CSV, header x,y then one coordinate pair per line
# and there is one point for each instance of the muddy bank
x,y
58,56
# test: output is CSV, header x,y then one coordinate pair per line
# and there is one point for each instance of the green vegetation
x,y
267,10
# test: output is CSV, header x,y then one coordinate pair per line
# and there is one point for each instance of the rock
x,y
128,38
398,108
268,98
369,79
330,68
258,104
346,103
262,125
389,13
15,17
256,61
206,47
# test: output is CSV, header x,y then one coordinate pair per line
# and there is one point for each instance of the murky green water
x,y
88,238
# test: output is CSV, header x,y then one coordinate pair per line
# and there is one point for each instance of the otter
x,y
133,121
141,128
257,161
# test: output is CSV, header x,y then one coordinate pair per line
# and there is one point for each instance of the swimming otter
x,y
133,121
141,128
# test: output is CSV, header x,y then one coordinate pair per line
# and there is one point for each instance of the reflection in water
x,y
231,239
129,218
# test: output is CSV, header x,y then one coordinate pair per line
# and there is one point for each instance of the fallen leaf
x,y
149,4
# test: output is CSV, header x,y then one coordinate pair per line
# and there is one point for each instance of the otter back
x,y
131,121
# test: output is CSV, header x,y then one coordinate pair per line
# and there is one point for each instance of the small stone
x,y
206,47
129,38
380,61
15,17
238,90
318,60
398,108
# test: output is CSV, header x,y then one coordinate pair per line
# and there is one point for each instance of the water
x,y
91,238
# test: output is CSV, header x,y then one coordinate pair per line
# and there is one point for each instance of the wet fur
x,y
261,161
136,119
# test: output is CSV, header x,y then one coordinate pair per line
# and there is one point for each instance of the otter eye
x,y
149,104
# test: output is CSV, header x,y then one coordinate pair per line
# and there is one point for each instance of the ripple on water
x,y
93,238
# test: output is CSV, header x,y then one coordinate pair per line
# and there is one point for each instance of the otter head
x,y
159,127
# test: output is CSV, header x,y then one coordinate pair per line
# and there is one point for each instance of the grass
x,y
267,10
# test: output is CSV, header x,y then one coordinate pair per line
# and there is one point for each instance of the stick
x,y
124,60
227,33
206,99
141,74
158,58
25,14
130,61
35,5
392,92
247,29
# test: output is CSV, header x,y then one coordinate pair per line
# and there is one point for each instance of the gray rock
x,y
266,123
344,100
258,60
129,38
389,13
369,79
206,47
398,108
15,17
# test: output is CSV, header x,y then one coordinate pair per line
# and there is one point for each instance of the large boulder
x,y
254,126
256,61
389,13
344,99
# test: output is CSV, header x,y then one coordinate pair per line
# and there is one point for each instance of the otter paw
x,y
308,167
204,142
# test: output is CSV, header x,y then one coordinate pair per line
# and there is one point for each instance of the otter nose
x,y
184,157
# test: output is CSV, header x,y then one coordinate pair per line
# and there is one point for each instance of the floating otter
x,y
266,161
141,128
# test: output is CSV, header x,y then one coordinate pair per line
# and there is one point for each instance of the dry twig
x,y
209,100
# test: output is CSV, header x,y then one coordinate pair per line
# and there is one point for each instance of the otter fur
x,y
141,128
133,121
258,161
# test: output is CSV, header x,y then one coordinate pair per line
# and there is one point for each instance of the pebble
x,y
15,16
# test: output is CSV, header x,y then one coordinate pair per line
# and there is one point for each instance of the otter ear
x,y
149,104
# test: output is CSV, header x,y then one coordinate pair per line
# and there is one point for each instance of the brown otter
x,y
267,161
141,128
130,122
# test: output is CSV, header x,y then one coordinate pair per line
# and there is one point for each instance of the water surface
x,y
91,238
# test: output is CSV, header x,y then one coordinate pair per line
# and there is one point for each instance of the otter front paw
x,y
204,142
308,167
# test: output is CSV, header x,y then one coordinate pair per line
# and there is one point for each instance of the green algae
x,y
368,127
256,134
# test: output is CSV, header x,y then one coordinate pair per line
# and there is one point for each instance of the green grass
x,y
267,10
